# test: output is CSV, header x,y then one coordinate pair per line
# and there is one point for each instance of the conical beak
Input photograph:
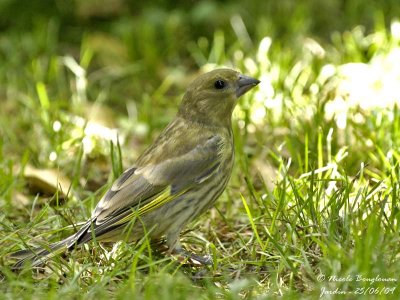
x,y
245,83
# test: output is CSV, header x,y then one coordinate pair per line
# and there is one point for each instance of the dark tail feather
x,y
38,256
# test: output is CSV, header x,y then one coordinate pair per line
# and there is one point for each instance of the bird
x,y
176,179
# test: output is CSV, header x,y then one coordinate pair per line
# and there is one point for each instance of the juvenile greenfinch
x,y
176,179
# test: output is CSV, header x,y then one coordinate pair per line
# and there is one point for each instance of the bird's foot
x,y
185,256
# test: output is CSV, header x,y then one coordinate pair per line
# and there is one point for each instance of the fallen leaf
x,y
47,181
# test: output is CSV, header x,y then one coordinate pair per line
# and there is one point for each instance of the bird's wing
x,y
142,189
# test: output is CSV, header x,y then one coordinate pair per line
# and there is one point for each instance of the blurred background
x,y
76,75
72,72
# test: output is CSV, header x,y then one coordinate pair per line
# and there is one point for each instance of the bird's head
x,y
211,97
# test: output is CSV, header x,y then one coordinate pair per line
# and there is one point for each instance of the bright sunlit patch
x,y
359,118
57,126
88,145
341,121
93,134
241,124
80,77
263,99
238,55
258,115
263,48
314,47
106,133
251,128
369,143
372,86
395,30
354,90
327,71
265,88
251,66
53,156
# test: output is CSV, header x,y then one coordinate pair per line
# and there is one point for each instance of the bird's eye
x,y
219,84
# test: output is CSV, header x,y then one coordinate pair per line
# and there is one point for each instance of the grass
x,y
312,207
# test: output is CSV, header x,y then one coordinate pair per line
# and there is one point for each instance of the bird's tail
x,y
38,256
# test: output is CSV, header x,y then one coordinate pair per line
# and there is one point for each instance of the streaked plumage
x,y
176,179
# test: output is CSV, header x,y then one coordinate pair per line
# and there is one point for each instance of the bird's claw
x,y
185,256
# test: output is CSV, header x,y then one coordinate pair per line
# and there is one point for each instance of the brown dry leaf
x,y
99,8
20,200
47,181
267,171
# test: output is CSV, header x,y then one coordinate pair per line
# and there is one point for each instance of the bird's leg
x,y
204,260
175,248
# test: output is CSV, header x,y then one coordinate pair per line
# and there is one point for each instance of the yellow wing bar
x,y
160,199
